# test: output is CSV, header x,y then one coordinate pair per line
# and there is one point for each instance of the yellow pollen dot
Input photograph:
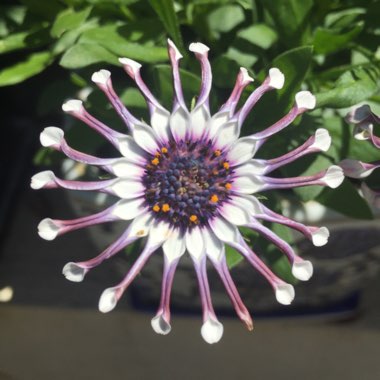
x,y
164,150
165,207
226,165
193,218
214,198
158,154
156,208
228,186
217,153
155,161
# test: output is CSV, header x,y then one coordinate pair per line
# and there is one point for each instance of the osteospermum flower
x,y
186,182
364,120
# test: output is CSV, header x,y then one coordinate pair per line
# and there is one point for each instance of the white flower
x,y
186,182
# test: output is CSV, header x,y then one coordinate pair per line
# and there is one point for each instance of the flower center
x,y
187,182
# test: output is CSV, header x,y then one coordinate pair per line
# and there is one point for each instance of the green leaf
x,y
68,20
346,200
352,87
44,9
294,64
24,40
33,65
82,55
259,34
225,18
166,13
327,41
111,37
290,18
233,257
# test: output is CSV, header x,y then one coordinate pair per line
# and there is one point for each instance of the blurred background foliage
x,y
330,47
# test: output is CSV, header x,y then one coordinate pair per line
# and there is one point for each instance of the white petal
x,y
51,136
140,226
198,120
305,99
216,122
227,134
198,47
73,105
284,294
363,131
160,123
127,188
322,140
47,229
174,247
74,272
124,168
302,270
108,300
101,77
129,149
257,167
242,151
160,326
212,331
213,246
159,232
334,176
248,184
224,230
128,209
179,121
194,243
235,214
178,55
130,65
248,203
39,180
320,236
277,78
145,138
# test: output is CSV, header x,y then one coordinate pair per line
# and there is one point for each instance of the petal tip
x,y
47,229
72,105
322,140
212,331
284,294
302,270
276,78
160,325
74,272
320,236
51,136
334,176
108,300
41,179
198,47
101,77
305,100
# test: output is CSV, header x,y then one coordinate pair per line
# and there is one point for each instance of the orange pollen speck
x,y
164,150
165,207
228,186
193,218
158,154
217,153
214,198
156,208
226,165
155,161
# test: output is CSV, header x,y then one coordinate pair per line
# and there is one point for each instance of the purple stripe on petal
x,y
103,79
201,53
